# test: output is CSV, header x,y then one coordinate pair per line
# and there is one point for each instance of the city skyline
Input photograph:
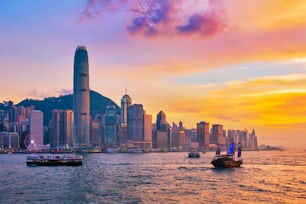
x,y
248,71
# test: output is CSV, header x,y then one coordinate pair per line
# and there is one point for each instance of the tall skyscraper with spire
x,y
81,98
126,101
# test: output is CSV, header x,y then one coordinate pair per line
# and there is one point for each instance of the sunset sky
x,y
233,62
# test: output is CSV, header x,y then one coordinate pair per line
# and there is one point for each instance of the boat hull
x,y
54,163
54,160
226,162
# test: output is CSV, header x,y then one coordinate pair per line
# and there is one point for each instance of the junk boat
x,y
194,155
55,160
225,161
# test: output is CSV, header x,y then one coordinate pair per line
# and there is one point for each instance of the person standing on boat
x,y
218,151
239,150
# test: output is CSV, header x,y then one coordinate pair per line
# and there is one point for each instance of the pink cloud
x,y
165,17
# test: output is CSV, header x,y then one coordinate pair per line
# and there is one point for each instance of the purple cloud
x,y
210,22
147,15
165,17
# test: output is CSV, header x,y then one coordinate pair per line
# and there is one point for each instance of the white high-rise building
x,y
36,127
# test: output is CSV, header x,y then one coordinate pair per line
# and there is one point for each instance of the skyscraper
x,y
36,127
62,127
147,128
203,134
217,134
81,98
126,101
111,130
161,122
135,120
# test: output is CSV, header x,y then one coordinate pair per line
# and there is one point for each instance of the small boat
x,y
225,161
54,160
194,155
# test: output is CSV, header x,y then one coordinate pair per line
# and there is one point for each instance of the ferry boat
x,y
54,160
225,161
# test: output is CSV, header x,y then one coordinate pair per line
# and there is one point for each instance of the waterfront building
x,y
255,143
135,123
217,136
96,133
178,136
203,134
181,127
182,139
81,103
123,133
9,140
175,135
36,127
110,123
24,132
161,122
242,138
162,139
62,127
252,141
148,128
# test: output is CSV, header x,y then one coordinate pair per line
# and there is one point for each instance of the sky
x,y
233,62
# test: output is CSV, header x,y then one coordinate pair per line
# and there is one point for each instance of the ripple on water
x,y
154,178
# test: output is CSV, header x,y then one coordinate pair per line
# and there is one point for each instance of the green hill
x,y
98,104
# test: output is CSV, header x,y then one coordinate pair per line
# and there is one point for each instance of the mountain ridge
x,y
98,103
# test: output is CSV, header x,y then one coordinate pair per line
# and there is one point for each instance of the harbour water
x,y
265,177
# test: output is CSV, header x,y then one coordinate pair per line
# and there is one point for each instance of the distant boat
x,y
112,150
225,161
194,155
54,160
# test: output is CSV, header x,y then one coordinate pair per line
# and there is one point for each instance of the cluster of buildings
x,y
22,127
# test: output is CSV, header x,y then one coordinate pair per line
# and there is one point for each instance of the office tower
x,y
36,127
161,122
162,137
242,137
203,134
81,98
126,101
123,134
95,133
21,113
181,127
69,118
252,141
147,128
217,134
9,140
62,127
111,130
57,128
182,139
135,121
